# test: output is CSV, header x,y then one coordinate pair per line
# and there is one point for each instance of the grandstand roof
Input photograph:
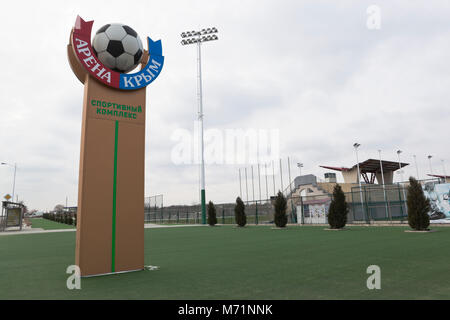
x,y
439,176
372,166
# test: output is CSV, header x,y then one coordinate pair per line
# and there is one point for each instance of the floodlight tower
x,y
401,178
356,145
198,37
417,168
300,166
429,161
443,170
384,187
14,181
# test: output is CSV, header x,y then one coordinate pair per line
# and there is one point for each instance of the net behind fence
x,y
368,204
257,212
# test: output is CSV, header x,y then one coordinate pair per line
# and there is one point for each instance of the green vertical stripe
x,y
203,199
113,255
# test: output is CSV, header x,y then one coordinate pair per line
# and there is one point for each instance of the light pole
x,y
356,146
300,166
253,185
290,190
267,188
192,37
14,180
429,161
289,175
384,187
273,178
443,170
417,168
240,184
401,177
259,181
246,185
281,176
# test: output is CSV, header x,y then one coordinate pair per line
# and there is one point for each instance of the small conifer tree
x,y
239,213
212,219
418,206
337,213
280,205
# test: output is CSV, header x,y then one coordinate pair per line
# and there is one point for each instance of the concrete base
x,y
421,231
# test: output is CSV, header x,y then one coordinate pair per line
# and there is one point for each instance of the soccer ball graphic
x,y
118,47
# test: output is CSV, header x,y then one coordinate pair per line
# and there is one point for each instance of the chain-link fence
x,y
369,204
378,203
366,205
257,212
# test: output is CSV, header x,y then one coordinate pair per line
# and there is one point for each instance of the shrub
x,y
239,213
418,206
212,219
337,214
280,205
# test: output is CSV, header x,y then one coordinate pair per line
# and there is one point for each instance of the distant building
x,y
370,170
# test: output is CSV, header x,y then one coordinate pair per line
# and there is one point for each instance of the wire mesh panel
x,y
379,203
152,206
367,204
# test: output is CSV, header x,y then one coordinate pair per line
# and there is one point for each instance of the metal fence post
x,y
223,215
400,200
366,203
302,210
256,213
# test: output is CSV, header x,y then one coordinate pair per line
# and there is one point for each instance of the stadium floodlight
x,y
198,37
417,168
356,145
384,187
443,170
429,161
400,171
14,180
401,178
300,166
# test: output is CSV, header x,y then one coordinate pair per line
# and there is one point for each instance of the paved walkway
x,y
40,230
33,231
152,225
155,226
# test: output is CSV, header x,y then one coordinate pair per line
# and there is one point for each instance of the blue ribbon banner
x,y
149,73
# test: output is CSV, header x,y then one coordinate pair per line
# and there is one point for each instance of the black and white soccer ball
x,y
118,47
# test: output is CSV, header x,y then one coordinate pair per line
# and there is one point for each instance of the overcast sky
x,y
311,69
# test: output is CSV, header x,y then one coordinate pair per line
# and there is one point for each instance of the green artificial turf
x,y
255,262
48,224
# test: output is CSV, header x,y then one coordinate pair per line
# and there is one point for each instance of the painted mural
x,y
439,195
